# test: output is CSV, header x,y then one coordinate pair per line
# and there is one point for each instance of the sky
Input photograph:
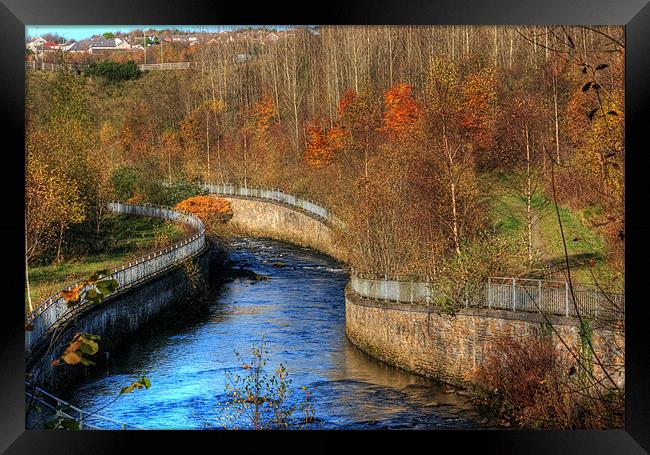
x,y
78,32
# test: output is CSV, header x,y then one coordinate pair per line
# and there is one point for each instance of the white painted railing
x,y
272,194
164,66
55,308
516,294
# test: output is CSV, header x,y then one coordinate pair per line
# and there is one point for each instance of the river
x,y
299,312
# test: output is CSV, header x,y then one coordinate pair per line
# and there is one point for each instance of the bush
x,y
461,278
534,386
178,191
114,72
124,181
209,209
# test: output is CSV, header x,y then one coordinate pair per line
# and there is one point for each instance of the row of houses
x,y
103,46
100,46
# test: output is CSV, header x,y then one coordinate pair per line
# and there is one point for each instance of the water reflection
x,y
300,312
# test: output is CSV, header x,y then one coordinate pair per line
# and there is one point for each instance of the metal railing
x,y
34,65
165,66
87,420
55,308
272,194
516,294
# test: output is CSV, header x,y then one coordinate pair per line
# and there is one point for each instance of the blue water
x,y
300,313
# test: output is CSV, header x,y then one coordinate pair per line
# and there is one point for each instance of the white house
x,y
103,46
35,43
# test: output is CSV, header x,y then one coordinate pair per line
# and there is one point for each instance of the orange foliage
x,y
264,111
402,112
206,207
319,151
135,199
335,138
347,98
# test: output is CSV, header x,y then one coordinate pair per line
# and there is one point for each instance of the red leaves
x,y
206,207
402,111
345,101
319,150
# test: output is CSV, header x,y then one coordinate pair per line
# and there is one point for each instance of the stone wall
x,y
117,320
261,218
424,340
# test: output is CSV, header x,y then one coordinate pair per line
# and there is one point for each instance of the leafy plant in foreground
x,y
261,399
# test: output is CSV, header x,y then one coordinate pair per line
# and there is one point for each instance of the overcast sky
x,y
78,32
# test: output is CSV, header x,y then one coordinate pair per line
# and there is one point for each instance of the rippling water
x,y
300,312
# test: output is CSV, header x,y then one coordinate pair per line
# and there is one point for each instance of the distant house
x,y
241,58
35,44
108,46
187,39
51,46
78,46
271,37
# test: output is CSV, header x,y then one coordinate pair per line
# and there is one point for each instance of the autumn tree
x,y
317,152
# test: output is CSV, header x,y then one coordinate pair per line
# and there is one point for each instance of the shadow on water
x,y
291,297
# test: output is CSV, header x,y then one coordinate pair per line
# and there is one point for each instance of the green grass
x,y
508,216
124,238
582,245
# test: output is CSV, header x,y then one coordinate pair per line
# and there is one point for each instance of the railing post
x,y
566,298
514,295
386,288
539,294
489,292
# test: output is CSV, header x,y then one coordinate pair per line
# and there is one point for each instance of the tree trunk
x,y
207,142
452,187
529,212
557,123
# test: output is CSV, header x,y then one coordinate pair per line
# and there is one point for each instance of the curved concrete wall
x,y
116,319
261,218
424,340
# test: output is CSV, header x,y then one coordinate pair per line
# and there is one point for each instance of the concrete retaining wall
x,y
260,218
424,340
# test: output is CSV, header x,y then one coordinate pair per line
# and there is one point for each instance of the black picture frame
x,y
634,14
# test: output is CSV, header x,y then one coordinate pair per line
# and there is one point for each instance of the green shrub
x,y
176,192
113,71
124,181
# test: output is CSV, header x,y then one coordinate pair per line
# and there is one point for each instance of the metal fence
x,y
87,420
34,65
229,189
54,308
165,66
516,294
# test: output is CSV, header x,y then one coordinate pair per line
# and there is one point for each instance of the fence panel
x,y
513,294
